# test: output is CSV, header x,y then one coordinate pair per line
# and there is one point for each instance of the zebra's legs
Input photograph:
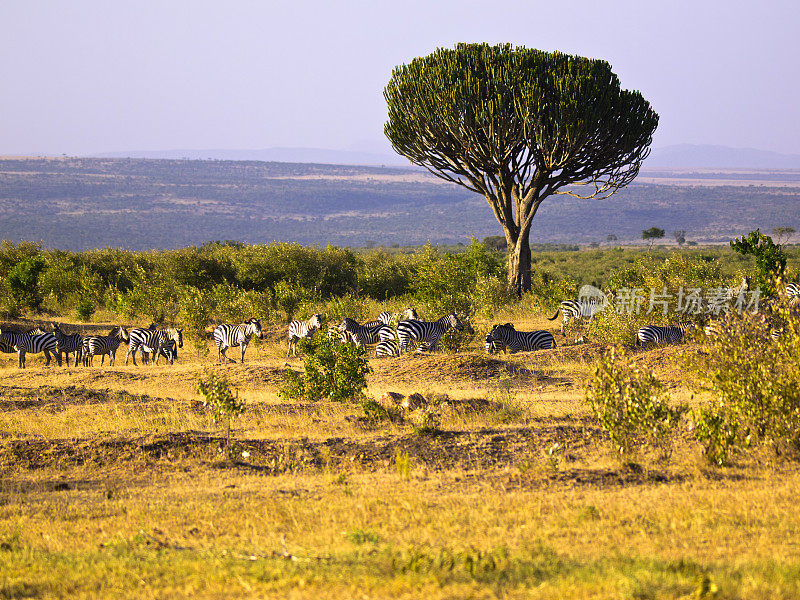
x,y
134,349
243,347
47,357
21,358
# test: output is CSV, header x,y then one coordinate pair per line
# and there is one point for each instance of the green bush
x,y
196,307
770,259
218,396
755,381
23,282
333,370
631,405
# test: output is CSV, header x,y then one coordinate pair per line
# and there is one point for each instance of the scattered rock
x,y
414,401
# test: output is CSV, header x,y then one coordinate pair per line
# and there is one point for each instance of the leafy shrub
x,y
290,296
195,312
755,381
23,282
333,370
770,259
717,432
220,399
631,405
346,306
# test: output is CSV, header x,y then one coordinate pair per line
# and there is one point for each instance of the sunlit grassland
x,y
562,516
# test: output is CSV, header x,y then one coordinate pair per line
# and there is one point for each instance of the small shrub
x,y
220,399
631,405
334,370
770,259
428,423
402,464
716,432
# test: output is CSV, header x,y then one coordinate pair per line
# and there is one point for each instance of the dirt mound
x,y
412,368
54,398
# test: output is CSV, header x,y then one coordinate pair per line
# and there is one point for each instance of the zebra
x,y
658,335
387,348
793,294
227,336
104,344
24,343
515,341
7,342
387,317
154,339
367,334
492,345
427,332
68,343
590,302
302,329
170,350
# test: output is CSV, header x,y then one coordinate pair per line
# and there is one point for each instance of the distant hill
x,y
83,203
289,155
719,157
677,156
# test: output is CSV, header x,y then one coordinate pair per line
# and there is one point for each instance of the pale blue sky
x,y
81,77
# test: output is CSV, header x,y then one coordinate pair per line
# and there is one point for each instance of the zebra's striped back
x,y
516,341
68,343
226,336
367,334
387,348
302,329
409,314
576,309
7,341
428,332
663,335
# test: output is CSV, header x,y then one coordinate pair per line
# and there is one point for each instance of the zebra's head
x,y
315,321
348,324
254,325
177,335
500,333
409,314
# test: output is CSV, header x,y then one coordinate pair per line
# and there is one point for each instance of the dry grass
x,y
114,482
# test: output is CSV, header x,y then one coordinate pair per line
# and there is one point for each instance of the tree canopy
x,y
518,125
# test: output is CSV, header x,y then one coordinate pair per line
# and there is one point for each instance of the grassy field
x,y
115,482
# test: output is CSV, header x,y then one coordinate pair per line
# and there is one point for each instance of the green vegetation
x,y
631,405
770,259
334,370
517,126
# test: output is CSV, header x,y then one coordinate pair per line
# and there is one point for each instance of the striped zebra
x,y
586,306
367,334
7,342
793,294
427,332
387,348
664,335
68,343
27,343
516,341
168,351
492,345
154,339
387,317
94,345
299,330
226,336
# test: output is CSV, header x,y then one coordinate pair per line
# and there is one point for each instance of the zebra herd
x,y
391,332
159,342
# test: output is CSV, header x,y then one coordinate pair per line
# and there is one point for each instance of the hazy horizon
x,y
92,78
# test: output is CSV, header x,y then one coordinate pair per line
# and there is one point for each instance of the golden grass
x,y
113,488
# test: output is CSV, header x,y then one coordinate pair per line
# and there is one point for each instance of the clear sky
x,y
80,77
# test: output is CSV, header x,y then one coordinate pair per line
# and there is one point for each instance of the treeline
x,y
231,281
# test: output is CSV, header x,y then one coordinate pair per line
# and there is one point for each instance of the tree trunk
x,y
519,264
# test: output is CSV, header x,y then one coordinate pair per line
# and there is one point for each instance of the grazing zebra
x,y
584,306
68,343
427,332
227,336
663,335
170,350
25,343
515,341
94,345
299,330
367,334
154,339
387,348
493,346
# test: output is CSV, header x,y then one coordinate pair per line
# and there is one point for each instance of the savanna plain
x,y
115,482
